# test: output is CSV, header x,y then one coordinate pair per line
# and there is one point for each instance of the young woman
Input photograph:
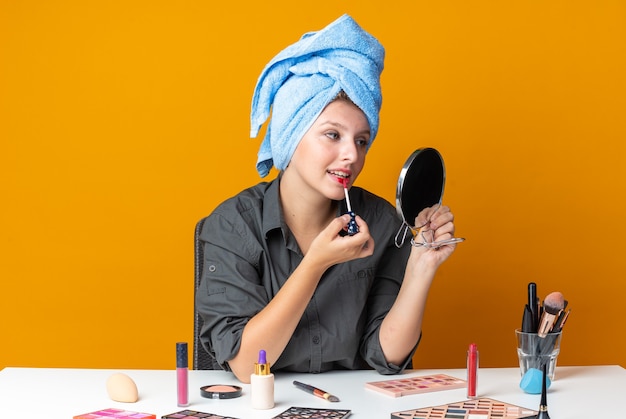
x,y
280,274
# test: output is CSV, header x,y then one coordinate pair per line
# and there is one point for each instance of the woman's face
x,y
333,150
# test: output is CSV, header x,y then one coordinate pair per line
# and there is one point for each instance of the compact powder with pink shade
x,y
220,391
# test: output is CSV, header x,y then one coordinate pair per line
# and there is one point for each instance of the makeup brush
x,y
553,304
353,228
560,322
543,405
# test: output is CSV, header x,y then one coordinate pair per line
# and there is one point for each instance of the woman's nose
x,y
349,150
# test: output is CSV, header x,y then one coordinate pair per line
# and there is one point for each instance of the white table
x,y
577,392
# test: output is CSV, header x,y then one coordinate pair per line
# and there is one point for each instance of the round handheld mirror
x,y
418,194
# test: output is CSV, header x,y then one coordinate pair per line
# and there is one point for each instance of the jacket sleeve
x,y
387,282
230,292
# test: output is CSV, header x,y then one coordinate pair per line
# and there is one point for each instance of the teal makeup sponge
x,y
531,381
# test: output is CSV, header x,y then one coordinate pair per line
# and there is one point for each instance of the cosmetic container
x,y
472,371
262,384
182,378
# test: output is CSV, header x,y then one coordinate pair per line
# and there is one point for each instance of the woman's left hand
x,y
439,227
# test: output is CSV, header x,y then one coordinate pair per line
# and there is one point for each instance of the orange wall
x,y
122,123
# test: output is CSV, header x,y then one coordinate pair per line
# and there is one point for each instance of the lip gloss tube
x,y
182,379
472,370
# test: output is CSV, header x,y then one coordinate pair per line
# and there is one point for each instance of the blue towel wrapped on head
x,y
302,79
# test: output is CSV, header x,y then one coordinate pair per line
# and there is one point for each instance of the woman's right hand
x,y
330,247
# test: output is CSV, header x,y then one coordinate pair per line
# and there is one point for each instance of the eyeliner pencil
x,y
316,391
533,306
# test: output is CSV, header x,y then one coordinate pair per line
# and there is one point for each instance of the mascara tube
x,y
472,370
182,379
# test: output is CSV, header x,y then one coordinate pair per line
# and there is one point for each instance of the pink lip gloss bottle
x,y
182,379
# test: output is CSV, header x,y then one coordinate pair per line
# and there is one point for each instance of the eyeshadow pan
x,y
484,408
115,413
192,414
312,412
416,385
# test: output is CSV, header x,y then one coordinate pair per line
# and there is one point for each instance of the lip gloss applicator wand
x,y
353,228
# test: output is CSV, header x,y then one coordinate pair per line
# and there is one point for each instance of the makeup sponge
x,y
531,381
122,388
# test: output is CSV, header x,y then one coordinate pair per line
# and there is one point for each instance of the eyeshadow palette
x,y
115,413
313,413
469,409
192,414
415,385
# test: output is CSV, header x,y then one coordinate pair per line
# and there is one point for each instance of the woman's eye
x,y
332,135
362,142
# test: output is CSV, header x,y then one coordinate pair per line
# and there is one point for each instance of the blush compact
x,y
220,391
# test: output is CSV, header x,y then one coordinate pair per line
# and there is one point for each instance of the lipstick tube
x,y
472,371
182,378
